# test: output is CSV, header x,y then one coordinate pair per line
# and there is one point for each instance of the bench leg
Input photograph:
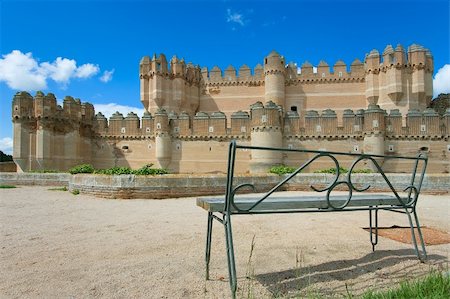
x,y
422,256
230,255
208,243
373,239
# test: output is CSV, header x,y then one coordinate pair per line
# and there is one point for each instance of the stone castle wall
x,y
377,106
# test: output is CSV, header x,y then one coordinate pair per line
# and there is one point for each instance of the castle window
x,y
290,146
423,128
424,149
147,130
323,75
356,148
158,126
176,129
318,129
149,146
294,108
211,129
178,146
391,148
264,118
125,147
123,130
340,74
356,128
448,147
389,128
375,123
243,129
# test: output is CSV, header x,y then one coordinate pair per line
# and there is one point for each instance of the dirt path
x,y
57,245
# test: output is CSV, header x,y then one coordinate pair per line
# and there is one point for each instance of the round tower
x,y
274,76
163,141
374,131
265,132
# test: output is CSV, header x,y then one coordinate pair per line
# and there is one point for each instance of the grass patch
x,y
75,191
7,187
434,285
58,189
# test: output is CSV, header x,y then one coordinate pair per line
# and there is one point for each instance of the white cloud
x,y
108,109
441,81
23,72
6,145
107,76
86,70
235,17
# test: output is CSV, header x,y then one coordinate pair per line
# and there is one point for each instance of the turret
x,y
274,74
374,132
163,141
266,132
101,124
394,72
144,72
372,68
417,56
22,113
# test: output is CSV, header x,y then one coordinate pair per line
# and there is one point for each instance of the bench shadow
x,y
298,280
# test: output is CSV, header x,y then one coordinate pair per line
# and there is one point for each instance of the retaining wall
x,y
178,185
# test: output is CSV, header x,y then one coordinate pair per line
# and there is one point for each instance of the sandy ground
x,y
57,245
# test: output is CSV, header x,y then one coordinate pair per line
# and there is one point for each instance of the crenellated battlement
x,y
45,107
312,124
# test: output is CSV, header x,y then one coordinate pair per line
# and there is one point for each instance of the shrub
x,y
75,191
115,170
281,169
83,168
147,170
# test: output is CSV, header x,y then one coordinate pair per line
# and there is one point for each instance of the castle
x,y
379,106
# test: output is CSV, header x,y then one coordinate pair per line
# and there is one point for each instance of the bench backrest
x,y
418,168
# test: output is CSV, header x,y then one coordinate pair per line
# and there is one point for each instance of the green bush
x,y
148,170
115,170
144,170
281,169
83,168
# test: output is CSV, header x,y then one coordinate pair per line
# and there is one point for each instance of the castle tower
x,y
421,62
163,141
101,124
374,132
274,74
266,132
372,67
23,124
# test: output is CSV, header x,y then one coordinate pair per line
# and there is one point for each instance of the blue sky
x,y
91,49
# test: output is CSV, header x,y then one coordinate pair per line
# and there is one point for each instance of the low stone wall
x,y
178,185
8,166
39,179
158,187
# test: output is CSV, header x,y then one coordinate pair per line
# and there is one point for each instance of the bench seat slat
x,y
291,202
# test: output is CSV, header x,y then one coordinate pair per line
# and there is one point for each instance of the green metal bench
x,y
221,208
